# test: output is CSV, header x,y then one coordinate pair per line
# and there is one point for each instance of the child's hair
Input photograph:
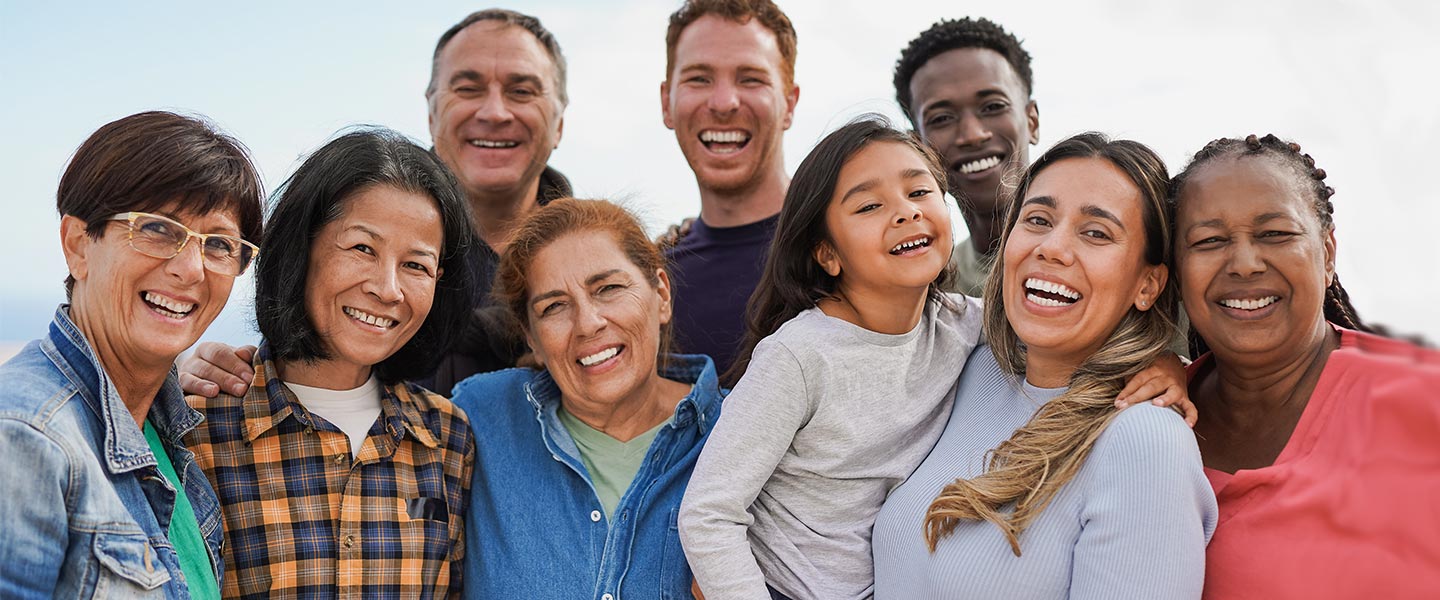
x,y
793,281
1338,309
1030,468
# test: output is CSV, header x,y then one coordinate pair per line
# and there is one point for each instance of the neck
x,y
626,419
137,379
984,230
891,312
733,208
324,374
1247,388
495,214
1045,371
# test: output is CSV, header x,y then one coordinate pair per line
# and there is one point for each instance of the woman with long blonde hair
x,y
1039,487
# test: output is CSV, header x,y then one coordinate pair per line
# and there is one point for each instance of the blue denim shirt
x,y
535,528
84,510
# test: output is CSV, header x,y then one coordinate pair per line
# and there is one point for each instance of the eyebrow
x,y
1217,223
947,102
1090,210
870,184
1041,200
589,281
473,75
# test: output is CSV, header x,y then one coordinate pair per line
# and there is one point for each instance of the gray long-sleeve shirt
x,y
828,419
1133,523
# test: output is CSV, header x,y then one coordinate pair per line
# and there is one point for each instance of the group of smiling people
x,y
883,438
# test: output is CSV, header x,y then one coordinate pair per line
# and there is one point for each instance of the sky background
x,y
1353,82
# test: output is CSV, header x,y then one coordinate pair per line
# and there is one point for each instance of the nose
x,y
1056,248
908,211
384,285
588,318
492,107
189,265
972,130
1245,259
724,98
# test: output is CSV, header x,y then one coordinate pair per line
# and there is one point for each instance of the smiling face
x,y
729,103
888,224
372,275
594,319
973,109
1254,260
138,309
495,113
1075,264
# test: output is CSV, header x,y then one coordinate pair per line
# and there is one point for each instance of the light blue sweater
x,y
1133,523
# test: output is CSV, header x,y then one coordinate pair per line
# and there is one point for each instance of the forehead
x,y
1078,182
1238,187
718,42
574,257
879,159
965,73
511,48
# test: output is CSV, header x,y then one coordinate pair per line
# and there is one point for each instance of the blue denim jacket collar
x,y
124,447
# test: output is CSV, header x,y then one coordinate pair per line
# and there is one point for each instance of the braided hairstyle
x,y
1338,309
948,34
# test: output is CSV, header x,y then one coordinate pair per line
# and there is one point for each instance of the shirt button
x,y
339,458
595,518
349,541
607,597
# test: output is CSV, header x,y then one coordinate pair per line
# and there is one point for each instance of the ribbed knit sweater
x,y
1133,523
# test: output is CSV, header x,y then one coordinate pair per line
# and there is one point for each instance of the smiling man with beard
x,y
729,95
965,86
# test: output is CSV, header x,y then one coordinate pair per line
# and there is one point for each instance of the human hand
x,y
1163,383
675,233
215,365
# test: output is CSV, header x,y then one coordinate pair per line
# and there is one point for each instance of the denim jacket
x,y
85,509
535,527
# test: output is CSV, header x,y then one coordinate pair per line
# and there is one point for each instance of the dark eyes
x,y
990,108
1096,234
1037,221
364,248
220,246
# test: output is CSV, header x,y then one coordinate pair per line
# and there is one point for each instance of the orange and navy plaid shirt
x,y
304,519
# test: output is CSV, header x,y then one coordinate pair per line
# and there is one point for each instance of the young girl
x,y
851,384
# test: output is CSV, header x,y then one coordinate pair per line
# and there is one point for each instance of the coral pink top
x,y
1351,507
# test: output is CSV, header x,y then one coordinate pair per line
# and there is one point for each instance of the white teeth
x,y
976,166
925,241
724,137
1250,304
493,144
1045,301
1052,287
599,357
364,317
172,308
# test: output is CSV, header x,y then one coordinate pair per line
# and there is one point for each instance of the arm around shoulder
x,y
1148,510
33,511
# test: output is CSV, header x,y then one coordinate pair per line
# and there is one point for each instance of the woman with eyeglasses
x,y
337,476
101,497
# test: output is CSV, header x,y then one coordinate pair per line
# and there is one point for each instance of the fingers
x,y
194,385
218,365
1140,388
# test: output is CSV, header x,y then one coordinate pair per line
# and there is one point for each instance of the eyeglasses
x,y
159,237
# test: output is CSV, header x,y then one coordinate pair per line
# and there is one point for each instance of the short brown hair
x,y
147,161
739,11
506,17
557,219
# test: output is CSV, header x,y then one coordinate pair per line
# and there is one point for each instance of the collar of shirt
x,y
695,407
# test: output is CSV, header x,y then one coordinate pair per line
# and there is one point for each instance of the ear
x,y
1330,258
559,129
827,259
1151,284
792,97
662,287
75,243
665,105
1032,117
534,346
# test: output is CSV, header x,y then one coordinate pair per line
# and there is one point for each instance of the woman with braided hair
x,y
1319,438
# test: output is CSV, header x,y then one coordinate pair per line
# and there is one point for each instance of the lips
x,y
911,244
170,307
979,165
370,319
1050,293
724,141
493,144
600,357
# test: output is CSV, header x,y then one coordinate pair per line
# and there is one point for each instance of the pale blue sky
x,y
1352,81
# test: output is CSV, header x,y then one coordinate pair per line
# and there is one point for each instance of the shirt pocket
x,y
425,537
675,577
129,567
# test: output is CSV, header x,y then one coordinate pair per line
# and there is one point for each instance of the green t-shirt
x,y
612,463
185,528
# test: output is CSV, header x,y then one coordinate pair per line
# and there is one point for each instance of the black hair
x,y
316,195
1338,309
792,280
151,160
948,34
507,17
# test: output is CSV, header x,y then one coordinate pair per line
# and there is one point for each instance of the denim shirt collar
x,y
124,446
696,407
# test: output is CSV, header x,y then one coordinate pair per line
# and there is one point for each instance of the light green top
x,y
184,530
970,270
612,463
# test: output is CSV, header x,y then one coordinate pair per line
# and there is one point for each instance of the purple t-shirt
x,y
714,270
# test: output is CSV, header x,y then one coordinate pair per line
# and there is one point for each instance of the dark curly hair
x,y
948,34
1338,309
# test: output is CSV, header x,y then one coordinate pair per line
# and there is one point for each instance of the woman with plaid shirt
x,y
336,477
